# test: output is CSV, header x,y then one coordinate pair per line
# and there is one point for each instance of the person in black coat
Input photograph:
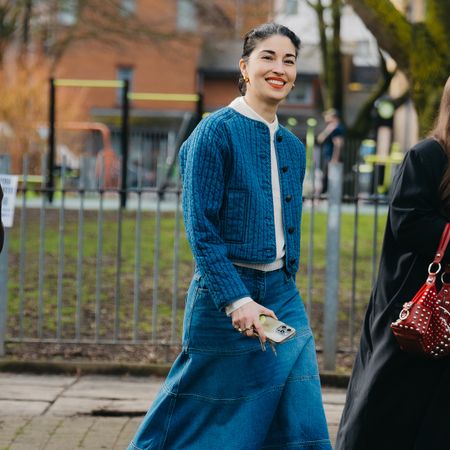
x,y
397,401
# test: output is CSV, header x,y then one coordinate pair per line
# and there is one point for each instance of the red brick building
x,y
199,53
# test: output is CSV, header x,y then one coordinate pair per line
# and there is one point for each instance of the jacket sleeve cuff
x,y
231,307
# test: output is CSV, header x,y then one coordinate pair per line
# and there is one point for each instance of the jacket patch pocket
x,y
235,213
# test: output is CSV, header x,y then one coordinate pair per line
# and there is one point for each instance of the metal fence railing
x,y
83,270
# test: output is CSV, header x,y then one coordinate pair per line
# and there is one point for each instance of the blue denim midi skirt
x,y
223,392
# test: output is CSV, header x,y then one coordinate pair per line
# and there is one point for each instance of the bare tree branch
x,y
336,57
324,48
361,126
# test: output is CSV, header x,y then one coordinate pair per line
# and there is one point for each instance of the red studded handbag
x,y
423,326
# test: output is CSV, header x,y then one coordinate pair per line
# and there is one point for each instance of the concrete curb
x,y
334,379
329,379
82,367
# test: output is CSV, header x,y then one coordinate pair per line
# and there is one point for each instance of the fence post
x,y
124,143
4,168
50,182
335,171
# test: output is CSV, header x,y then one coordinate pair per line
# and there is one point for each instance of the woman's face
x,y
271,69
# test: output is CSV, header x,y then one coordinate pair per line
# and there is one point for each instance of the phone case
x,y
275,330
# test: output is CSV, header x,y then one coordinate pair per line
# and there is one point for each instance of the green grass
x,y
107,307
365,266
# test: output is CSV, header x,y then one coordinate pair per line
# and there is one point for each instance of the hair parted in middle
x,y
260,33
441,132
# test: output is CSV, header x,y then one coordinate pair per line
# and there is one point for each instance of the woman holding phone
x,y
242,200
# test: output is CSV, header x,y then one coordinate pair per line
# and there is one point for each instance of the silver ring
x,y
437,271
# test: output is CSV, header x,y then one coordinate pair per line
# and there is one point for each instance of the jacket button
x,y
284,169
291,230
288,198
279,138
292,261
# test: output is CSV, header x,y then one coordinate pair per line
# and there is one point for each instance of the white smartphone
x,y
275,330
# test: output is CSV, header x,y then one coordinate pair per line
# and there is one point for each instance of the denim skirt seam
x,y
185,344
173,399
167,390
302,333
174,393
299,445
240,351
230,400
223,352
303,378
169,418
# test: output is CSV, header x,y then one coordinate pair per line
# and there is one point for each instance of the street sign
x,y
9,187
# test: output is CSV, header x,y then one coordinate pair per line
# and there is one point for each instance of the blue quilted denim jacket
x,y
227,198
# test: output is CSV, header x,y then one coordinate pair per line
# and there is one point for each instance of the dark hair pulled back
x,y
260,33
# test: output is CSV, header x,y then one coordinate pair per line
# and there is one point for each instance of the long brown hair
x,y
441,132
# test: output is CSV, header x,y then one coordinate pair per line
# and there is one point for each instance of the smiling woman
x,y
242,200
268,68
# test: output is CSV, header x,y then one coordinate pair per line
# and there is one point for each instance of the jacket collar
x,y
241,106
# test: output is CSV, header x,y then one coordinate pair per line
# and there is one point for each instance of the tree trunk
x,y
420,49
324,51
336,58
364,121
8,24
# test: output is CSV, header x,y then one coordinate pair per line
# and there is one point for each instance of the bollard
x,y
4,169
335,171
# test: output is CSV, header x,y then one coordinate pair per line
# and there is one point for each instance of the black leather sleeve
x,y
415,218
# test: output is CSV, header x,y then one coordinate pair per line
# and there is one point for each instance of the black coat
x,y
396,401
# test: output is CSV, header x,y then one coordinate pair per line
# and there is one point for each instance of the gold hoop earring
x,y
247,79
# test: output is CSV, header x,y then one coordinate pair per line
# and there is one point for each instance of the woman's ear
x,y
243,68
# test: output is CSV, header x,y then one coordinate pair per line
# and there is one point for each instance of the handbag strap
x,y
439,255
445,238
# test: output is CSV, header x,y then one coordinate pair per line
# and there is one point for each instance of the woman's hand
x,y
246,319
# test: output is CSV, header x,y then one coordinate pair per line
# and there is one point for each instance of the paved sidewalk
x,y
92,412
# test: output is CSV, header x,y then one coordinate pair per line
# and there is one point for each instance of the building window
x,y
124,73
290,7
68,12
186,15
302,93
128,7
364,75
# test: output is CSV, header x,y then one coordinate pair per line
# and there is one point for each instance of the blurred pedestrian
x,y
331,139
242,197
107,169
397,400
